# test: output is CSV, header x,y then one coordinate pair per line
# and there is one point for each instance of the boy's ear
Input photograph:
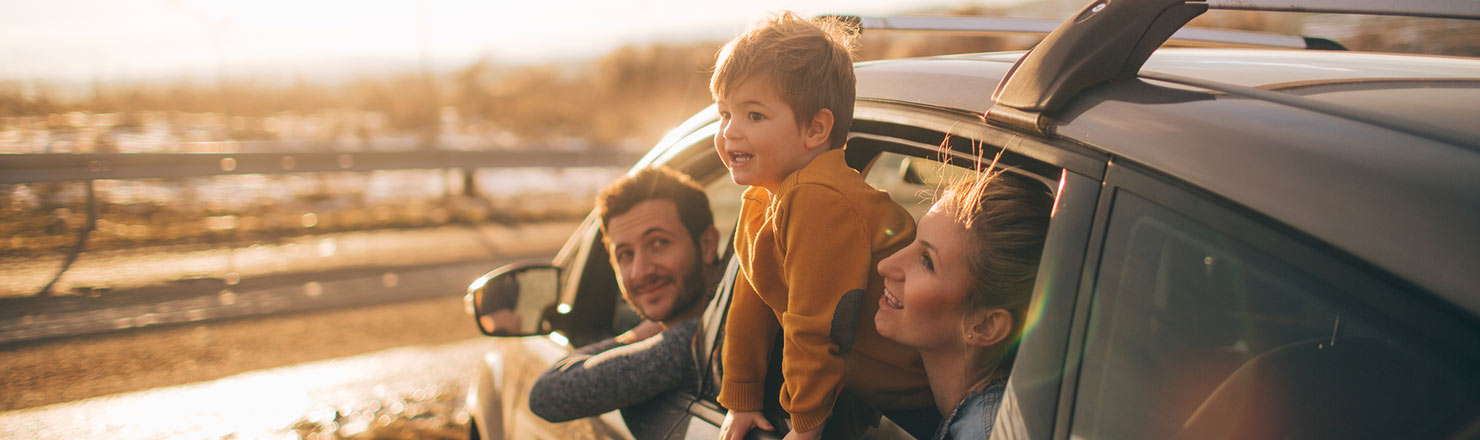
x,y
818,132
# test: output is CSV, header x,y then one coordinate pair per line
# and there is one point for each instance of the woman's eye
x,y
927,262
756,116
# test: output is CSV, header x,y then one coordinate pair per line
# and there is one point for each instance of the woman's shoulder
x,y
973,417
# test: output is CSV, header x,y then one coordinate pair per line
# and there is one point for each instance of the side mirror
x,y
514,300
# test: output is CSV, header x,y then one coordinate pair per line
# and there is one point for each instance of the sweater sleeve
x,y
607,376
826,253
750,330
750,324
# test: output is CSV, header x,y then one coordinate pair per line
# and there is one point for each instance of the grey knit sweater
x,y
607,375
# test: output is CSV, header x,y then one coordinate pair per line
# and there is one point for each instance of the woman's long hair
x,y
1006,216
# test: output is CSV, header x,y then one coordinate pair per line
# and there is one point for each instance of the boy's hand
x,y
809,435
738,423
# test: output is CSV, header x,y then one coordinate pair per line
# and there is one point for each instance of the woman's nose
x,y
889,267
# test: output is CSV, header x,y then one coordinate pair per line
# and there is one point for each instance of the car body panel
x,y
1343,183
500,395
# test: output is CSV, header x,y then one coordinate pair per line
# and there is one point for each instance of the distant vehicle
x,y
1247,243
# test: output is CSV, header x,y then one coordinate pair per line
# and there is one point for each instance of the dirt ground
x,y
41,373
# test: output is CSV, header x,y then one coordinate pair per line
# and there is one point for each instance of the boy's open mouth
x,y
740,158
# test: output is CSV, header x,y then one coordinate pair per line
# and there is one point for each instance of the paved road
x,y
399,365
114,290
318,347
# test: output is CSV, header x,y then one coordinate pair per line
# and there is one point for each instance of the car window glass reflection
x,y
1195,335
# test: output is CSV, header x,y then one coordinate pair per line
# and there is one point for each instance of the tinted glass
x,y
1193,334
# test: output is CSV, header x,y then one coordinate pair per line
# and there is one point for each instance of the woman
x,y
960,291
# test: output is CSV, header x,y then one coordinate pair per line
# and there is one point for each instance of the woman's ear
x,y
818,132
988,327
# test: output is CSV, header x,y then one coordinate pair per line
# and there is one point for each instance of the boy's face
x,y
759,138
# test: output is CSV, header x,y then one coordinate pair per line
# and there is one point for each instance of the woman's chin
x,y
885,324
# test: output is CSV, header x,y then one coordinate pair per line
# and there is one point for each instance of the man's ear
x,y
985,328
819,130
709,245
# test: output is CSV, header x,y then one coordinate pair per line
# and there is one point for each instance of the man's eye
x,y
624,256
659,243
756,116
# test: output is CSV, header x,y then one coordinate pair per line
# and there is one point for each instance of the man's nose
x,y
641,265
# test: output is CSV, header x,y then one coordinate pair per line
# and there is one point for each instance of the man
x,y
659,231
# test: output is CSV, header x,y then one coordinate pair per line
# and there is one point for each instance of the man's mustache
x,y
651,280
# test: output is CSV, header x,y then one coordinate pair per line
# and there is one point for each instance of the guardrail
x,y
88,168
33,168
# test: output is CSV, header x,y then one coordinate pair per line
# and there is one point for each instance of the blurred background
x,y
213,252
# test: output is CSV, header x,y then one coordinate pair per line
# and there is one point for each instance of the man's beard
x,y
693,285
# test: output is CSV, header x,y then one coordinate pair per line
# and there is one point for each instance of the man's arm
x,y
607,375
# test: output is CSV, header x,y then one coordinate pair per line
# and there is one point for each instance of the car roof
x,y
1373,153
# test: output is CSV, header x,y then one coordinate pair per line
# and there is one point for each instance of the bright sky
x,y
83,40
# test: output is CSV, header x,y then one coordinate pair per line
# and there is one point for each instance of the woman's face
x,y
925,286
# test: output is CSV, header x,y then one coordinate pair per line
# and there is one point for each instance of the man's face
x,y
657,263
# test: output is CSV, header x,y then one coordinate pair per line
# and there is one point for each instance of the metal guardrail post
x,y
92,223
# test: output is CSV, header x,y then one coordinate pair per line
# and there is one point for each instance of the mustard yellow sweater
x,y
808,259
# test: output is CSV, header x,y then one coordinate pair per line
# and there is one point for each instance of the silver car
x,y
1247,242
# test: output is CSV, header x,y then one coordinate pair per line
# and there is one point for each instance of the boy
x,y
811,232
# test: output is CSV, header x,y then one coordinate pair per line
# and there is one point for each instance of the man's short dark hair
x,y
655,183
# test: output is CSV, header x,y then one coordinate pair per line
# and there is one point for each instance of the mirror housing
x,y
519,299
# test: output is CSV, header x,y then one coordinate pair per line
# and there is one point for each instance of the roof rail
x,y
1104,41
1041,26
1462,9
1108,40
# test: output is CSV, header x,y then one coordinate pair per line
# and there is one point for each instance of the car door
x,y
1201,320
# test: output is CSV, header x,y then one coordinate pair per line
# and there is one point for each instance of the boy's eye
x,y
756,116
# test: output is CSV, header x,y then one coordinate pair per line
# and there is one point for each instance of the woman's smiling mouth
x,y
890,301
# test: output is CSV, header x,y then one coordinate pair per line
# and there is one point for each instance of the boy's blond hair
x,y
809,62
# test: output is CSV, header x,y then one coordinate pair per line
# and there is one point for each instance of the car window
x,y
724,200
912,182
1193,334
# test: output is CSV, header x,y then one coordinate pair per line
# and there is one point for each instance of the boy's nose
x,y
729,131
